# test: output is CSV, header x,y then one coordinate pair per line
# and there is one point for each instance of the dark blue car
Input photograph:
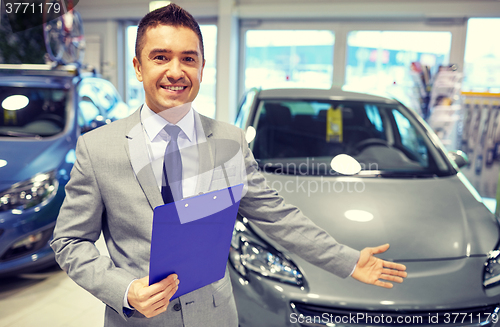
x,y
43,111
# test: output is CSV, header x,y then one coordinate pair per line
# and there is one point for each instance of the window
x,y
482,56
205,102
381,137
378,59
289,59
29,111
134,91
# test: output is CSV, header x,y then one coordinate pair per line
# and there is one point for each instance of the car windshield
x,y
32,111
302,137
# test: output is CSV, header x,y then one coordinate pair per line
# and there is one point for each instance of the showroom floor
x,y
48,299
51,299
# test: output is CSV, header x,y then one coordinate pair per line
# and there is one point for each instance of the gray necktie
x,y
172,168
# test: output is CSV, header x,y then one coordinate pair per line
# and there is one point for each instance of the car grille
x,y
307,315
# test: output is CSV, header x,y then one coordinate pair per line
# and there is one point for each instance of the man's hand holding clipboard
x,y
151,300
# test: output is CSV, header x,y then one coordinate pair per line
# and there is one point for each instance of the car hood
x,y
422,219
26,158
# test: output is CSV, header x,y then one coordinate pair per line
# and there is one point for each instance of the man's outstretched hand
x,y
371,270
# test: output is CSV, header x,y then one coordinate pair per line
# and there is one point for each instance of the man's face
x,y
171,66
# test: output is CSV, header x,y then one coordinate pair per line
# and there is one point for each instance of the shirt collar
x,y
154,124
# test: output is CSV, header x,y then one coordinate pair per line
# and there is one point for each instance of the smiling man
x,y
169,61
163,152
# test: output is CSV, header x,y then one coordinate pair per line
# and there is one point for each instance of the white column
x,y
110,65
457,51
227,61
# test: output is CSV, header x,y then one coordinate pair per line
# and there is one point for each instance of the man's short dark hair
x,y
171,15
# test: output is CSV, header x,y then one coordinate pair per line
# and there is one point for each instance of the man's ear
x,y
137,67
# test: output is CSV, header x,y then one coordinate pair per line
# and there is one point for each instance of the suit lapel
x,y
137,151
206,152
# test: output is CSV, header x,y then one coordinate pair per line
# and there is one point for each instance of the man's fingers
x,y
394,272
161,300
380,249
391,278
164,283
393,265
172,291
161,286
169,280
163,295
383,284
396,269
152,300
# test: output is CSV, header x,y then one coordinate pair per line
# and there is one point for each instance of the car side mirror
x,y
459,157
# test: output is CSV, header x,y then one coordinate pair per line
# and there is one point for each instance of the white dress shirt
x,y
157,140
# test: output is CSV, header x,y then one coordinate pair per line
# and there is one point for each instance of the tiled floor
x,y
48,299
51,299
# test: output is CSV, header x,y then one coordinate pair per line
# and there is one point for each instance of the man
x,y
120,176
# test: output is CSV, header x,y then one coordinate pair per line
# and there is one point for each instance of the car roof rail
x,y
40,69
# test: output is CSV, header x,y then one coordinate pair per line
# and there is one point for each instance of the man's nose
x,y
174,70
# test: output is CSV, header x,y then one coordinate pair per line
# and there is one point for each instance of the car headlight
x,y
250,252
491,275
30,193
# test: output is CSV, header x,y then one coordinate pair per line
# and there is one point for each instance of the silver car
x,y
409,193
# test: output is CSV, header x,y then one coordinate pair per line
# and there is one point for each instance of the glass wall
x,y
482,56
289,58
378,59
205,101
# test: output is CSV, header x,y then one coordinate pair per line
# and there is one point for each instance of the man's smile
x,y
173,88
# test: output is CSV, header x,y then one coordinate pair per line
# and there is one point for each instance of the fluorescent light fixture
x,y
3,163
345,165
15,102
153,5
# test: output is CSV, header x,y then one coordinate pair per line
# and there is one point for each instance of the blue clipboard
x,y
191,238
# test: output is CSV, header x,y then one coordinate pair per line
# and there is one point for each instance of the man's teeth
x,y
174,88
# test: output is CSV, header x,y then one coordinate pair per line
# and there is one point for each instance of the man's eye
x,y
160,57
189,59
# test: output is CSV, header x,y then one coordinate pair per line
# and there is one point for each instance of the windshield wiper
x,y
398,174
18,134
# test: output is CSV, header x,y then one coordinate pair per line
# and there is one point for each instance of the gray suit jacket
x,y
112,189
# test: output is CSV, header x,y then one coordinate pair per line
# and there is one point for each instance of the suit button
x,y
177,307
